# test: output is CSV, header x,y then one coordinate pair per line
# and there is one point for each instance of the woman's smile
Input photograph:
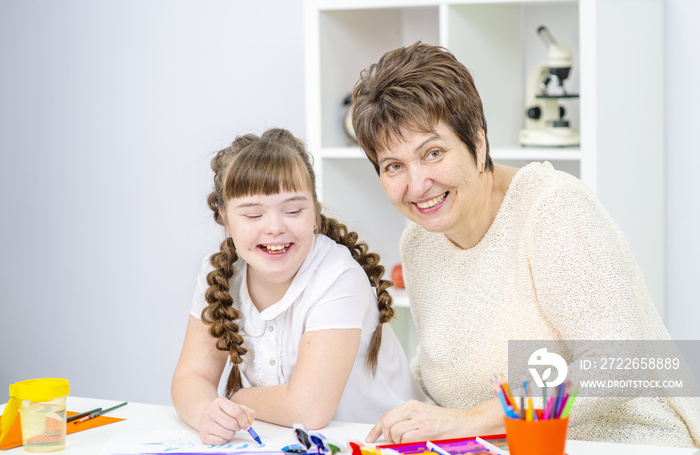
x,y
432,204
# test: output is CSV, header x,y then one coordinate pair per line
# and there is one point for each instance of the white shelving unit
x,y
617,69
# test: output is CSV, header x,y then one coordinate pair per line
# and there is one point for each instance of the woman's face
x,y
272,233
431,178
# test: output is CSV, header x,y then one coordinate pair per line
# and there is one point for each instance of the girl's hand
x,y
222,419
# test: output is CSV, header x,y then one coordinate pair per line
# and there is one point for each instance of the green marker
x,y
569,403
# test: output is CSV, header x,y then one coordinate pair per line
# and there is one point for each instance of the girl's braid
x,y
220,313
370,264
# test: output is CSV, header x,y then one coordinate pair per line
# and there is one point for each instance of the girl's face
x,y
272,233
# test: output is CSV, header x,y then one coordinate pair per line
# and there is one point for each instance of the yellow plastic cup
x,y
42,404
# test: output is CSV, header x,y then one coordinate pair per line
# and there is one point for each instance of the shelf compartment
x,y
497,42
353,40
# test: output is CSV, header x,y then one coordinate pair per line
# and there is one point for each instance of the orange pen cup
x,y
537,437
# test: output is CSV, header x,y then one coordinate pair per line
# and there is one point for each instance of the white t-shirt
x,y
330,291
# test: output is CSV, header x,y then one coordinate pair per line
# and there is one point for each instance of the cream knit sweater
x,y
552,266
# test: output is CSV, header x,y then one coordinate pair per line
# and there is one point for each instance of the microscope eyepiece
x,y
545,35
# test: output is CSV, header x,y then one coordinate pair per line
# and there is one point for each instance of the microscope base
x,y
550,137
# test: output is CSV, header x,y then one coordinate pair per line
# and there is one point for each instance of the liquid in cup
x,y
42,404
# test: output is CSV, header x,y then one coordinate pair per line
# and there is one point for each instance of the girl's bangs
x,y
265,172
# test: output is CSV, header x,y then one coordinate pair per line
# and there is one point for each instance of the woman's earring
x,y
314,229
483,165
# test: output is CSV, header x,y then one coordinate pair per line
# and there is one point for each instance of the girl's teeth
x,y
276,248
431,203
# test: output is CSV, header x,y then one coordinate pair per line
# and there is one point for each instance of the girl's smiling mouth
x,y
275,249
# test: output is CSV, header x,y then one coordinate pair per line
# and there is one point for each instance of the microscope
x,y
545,125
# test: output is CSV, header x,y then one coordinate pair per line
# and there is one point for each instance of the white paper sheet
x,y
174,442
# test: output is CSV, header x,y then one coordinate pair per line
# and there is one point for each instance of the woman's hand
x,y
413,421
222,419
417,421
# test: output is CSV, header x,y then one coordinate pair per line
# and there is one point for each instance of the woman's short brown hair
x,y
413,89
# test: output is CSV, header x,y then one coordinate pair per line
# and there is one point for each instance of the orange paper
x,y
14,437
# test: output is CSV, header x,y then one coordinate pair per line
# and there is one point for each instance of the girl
x,y
289,301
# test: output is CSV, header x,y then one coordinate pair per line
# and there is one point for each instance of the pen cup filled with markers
x,y
532,431
42,405
536,437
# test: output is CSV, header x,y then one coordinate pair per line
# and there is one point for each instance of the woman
x,y
496,253
292,299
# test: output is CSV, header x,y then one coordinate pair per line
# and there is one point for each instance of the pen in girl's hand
x,y
250,430
254,435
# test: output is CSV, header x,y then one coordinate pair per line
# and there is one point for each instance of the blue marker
x,y
294,448
253,434
510,412
250,430
502,399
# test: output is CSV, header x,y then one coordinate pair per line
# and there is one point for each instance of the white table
x,y
150,417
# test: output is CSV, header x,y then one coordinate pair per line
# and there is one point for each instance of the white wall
x,y
682,48
109,114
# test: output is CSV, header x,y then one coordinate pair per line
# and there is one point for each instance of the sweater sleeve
x,y
583,269
585,278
